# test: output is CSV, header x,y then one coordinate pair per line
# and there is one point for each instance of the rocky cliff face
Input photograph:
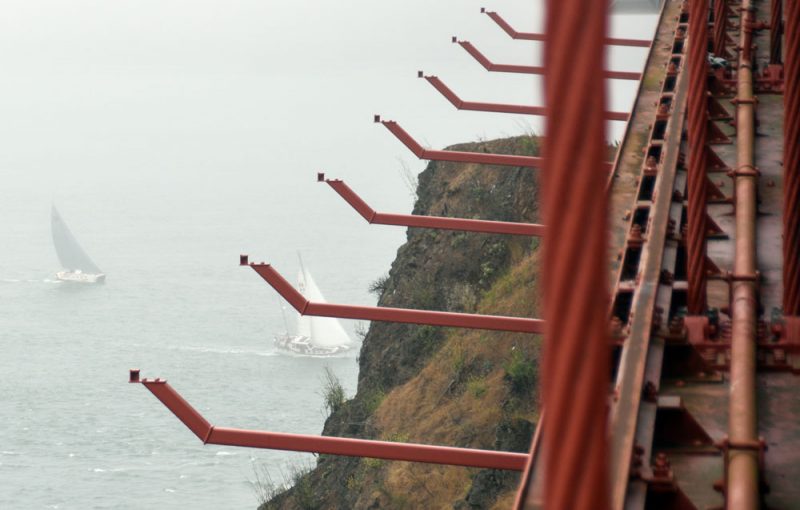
x,y
445,386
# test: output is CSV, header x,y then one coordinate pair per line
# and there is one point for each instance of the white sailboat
x,y
316,336
76,264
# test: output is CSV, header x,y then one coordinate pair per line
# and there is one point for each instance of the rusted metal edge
x,y
645,423
632,365
635,110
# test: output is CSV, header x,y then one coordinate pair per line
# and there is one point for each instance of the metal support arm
x,y
380,313
528,36
511,68
210,434
413,220
499,107
458,156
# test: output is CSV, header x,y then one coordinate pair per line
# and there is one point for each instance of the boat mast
x,y
283,314
305,290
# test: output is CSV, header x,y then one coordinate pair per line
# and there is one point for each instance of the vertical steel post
x,y
576,356
743,469
791,162
697,115
720,26
776,30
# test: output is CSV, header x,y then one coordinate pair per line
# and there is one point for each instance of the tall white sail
x,y
70,253
303,321
323,331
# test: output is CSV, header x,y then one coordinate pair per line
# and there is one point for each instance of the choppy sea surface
x,y
173,137
75,434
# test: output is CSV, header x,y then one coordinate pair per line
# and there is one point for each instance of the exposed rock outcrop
x,y
444,386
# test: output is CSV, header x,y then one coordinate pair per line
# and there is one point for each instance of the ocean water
x,y
174,136
176,305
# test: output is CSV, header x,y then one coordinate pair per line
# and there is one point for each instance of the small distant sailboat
x,y
316,336
76,264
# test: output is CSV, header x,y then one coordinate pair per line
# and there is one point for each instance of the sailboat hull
x,y
80,277
302,345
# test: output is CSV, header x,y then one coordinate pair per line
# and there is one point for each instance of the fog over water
x,y
173,136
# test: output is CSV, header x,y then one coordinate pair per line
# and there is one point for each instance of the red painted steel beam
x,y
528,36
458,156
380,313
776,30
512,68
576,363
720,26
210,434
480,158
499,107
413,220
697,128
791,163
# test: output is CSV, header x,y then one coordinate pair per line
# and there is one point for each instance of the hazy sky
x,y
80,74
133,100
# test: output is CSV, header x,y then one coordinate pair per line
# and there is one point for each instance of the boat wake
x,y
218,350
291,354
29,280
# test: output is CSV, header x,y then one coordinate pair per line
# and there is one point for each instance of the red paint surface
x,y
528,36
696,186
210,434
499,107
791,163
576,358
511,68
376,313
411,220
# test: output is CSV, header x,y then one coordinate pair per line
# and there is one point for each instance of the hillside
x,y
456,387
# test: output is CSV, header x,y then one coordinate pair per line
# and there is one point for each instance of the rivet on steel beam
x,y
650,392
661,467
243,260
651,165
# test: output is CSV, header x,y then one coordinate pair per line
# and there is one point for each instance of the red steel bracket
x,y
211,434
512,68
458,156
480,158
412,220
528,36
380,313
499,107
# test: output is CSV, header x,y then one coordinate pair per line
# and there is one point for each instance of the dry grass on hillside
x,y
460,397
